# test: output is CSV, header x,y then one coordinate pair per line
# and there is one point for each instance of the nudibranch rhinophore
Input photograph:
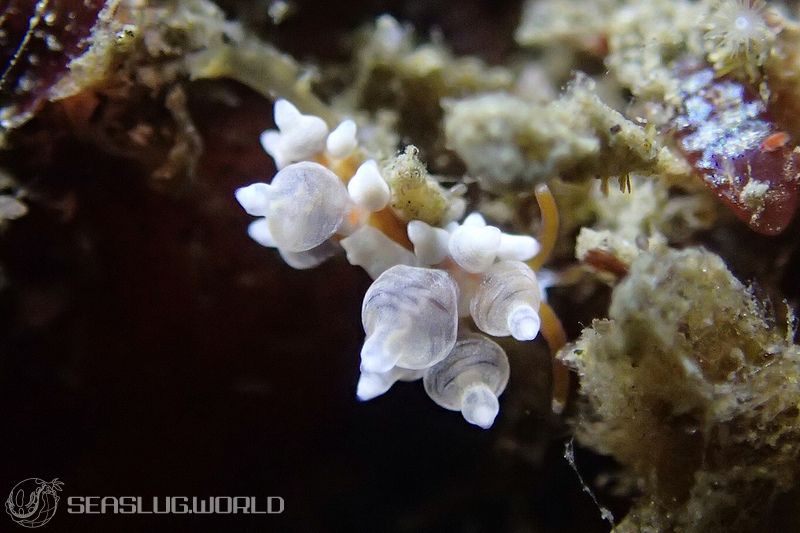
x,y
328,196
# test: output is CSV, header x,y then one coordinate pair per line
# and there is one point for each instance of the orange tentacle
x,y
553,333
549,231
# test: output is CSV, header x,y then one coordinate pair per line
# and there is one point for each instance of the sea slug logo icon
x,y
33,502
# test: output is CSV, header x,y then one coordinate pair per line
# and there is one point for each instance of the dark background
x,y
149,347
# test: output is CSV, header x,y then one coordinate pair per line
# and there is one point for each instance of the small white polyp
x,y
430,243
367,187
479,405
342,140
517,247
254,199
474,247
524,323
389,35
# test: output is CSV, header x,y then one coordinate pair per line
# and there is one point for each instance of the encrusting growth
x,y
692,388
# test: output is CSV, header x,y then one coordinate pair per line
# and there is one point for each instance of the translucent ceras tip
x,y
342,140
430,243
524,323
410,317
373,384
474,247
310,258
470,379
254,199
258,230
308,204
517,247
507,301
367,187
300,137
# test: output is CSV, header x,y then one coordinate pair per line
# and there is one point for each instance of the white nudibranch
x,y
410,318
470,379
416,312
507,301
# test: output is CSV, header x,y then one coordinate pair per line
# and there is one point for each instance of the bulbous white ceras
x,y
410,317
304,206
507,301
470,379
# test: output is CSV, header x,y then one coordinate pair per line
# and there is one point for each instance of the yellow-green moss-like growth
x,y
693,390
415,195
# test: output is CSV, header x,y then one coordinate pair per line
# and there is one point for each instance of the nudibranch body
x,y
428,279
